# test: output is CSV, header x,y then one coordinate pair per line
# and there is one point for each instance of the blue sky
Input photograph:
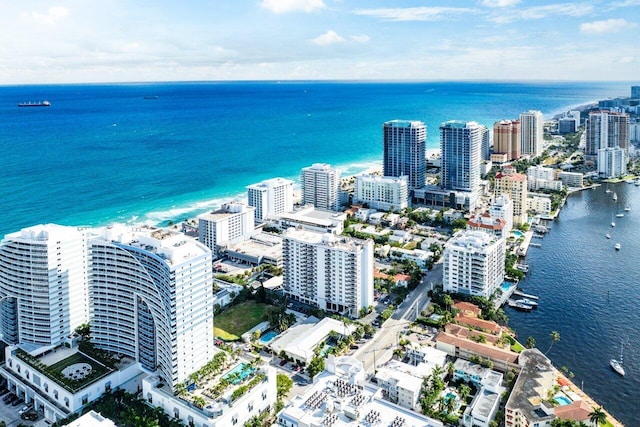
x,y
166,40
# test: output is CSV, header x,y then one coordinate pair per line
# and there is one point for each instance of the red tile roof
x,y
486,325
576,411
467,307
478,348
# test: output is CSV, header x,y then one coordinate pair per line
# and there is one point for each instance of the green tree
x,y
284,385
530,343
555,337
315,366
464,391
598,417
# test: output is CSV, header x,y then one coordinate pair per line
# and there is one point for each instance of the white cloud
x,y
500,3
606,26
330,37
627,59
541,12
360,38
284,6
414,13
54,14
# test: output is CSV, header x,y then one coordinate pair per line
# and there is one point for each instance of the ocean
x,y
103,153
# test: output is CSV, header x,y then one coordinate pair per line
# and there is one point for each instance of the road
x,y
380,348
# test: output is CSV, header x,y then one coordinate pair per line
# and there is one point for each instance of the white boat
x,y
617,246
627,208
615,197
613,223
608,236
529,302
637,182
619,215
616,365
608,190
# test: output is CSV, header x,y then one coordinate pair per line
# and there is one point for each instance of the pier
x,y
519,293
535,245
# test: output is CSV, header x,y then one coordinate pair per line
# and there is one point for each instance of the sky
x,y
77,41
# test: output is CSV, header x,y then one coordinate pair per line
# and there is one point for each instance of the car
x,y
9,398
283,362
29,416
24,409
16,402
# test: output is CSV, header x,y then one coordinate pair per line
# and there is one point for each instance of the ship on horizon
x,y
44,103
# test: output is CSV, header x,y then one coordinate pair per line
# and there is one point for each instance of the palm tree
x,y
448,301
598,417
464,391
555,337
450,369
530,343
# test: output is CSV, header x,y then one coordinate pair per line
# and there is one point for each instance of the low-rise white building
x,y
539,203
493,226
502,207
382,192
238,403
572,179
340,397
399,387
486,402
312,219
419,256
542,178
232,223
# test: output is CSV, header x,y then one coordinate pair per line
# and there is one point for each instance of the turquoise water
x,y
506,286
562,399
268,336
243,370
518,233
102,153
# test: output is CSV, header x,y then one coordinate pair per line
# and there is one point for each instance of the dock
x,y
535,245
518,305
523,295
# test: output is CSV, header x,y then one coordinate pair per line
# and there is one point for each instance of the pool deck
x,y
584,396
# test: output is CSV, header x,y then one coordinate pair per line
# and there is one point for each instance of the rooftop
x,y
536,377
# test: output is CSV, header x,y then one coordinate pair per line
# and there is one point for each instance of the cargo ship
x,y
35,104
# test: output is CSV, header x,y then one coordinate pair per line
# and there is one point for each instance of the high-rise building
x,y
321,186
473,263
331,272
506,138
405,151
606,129
612,162
382,192
43,285
232,223
635,92
485,151
151,299
460,145
515,186
271,197
531,133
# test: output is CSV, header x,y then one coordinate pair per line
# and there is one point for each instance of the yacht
x,y
627,208
616,365
615,197
608,236
617,246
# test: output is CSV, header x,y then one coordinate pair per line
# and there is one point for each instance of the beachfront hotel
x,y
321,186
151,299
531,133
460,145
473,263
404,151
43,285
506,138
382,192
232,223
334,273
270,198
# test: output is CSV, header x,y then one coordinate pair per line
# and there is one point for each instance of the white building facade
x,y
542,178
531,133
331,272
612,162
321,186
404,148
43,285
270,198
502,207
232,223
473,263
382,192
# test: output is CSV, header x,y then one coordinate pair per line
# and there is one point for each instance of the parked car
x,y
29,416
9,398
24,409
16,402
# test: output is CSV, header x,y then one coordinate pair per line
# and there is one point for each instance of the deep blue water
x,y
589,294
103,153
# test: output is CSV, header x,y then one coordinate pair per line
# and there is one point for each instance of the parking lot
x,y
10,412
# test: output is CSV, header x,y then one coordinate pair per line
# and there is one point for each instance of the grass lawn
x,y
238,319
517,347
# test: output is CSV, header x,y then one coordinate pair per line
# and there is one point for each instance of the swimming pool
x,y
518,233
239,373
562,399
506,286
268,336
